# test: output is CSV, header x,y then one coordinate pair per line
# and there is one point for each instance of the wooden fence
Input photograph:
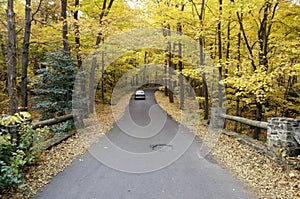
x,y
258,124
52,121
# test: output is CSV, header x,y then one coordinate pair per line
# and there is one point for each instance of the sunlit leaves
x,y
17,118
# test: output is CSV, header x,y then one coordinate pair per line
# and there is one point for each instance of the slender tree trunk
x,y
12,58
165,79
237,102
168,49
258,117
3,46
180,63
220,54
83,92
201,55
145,67
92,87
180,67
202,61
205,93
25,54
249,48
227,53
77,35
3,70
228,45
102,76
170,65
66,48
205,89
263,37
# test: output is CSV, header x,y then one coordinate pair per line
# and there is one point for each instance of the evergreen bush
x,y
53,86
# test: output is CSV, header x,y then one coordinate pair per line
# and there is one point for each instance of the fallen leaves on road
x,y
264,176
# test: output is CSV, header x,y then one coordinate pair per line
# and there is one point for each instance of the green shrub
x,y
54,85
15,154
64,127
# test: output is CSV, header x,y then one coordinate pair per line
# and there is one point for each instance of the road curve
x,y
101,172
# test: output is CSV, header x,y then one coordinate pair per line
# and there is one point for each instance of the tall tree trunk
x,y
220,96
12,58
170,65
228,45
180,67
201,55
3,70
202,59
180,63
237,102
92,87
227,52
249,48
66,48
166,32
83,92
102,76
145,67
165,79
77,35
264,31
25,54
258,117
263,38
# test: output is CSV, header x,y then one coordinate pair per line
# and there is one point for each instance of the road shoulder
x,y
262,174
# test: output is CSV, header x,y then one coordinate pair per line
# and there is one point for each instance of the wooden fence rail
x,y
258,124
55,140
52,121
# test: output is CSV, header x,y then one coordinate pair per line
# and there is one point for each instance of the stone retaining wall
x,y
284,133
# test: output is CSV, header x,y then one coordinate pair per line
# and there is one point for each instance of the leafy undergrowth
x,y
55,160
266,177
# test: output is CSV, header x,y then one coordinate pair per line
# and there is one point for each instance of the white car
x,y
139,94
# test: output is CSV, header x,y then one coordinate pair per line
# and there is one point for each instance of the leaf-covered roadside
x,y
266,177
55,160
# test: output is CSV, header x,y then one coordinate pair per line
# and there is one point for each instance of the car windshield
x,y
139,92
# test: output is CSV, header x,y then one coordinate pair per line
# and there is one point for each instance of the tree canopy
x,y
254,45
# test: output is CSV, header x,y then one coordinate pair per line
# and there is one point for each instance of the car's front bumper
x,y
139,97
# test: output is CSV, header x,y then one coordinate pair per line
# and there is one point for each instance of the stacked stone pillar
x,y
216,121
284,133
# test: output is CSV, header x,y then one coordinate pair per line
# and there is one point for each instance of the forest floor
x,y
268,178
265,176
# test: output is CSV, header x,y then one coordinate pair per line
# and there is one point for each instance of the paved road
x,y
136,175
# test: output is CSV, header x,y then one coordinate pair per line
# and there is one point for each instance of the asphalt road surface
x,y
143,157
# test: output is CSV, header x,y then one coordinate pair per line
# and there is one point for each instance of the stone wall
x,y
216,121
284,133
